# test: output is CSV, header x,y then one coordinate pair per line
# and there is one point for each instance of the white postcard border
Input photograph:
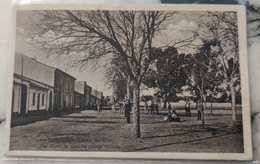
x,y
247,155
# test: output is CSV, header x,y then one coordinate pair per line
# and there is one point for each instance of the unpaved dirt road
x,y
107,131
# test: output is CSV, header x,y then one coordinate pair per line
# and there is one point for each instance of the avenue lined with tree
x,y
124,42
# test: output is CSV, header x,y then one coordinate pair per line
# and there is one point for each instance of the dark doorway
x,y
57,101
23,98
38,101
50,101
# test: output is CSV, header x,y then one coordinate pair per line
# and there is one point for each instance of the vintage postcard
x,y
129,81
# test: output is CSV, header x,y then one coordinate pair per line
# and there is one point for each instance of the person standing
x,y
157,108
98,108
113,108
146,108
121,106
169,106
127,111
187,106
169,115
199,108
152,108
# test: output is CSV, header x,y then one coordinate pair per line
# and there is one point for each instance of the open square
x,y
106,131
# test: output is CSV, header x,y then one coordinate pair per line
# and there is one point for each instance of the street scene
x,y
106,131
127,81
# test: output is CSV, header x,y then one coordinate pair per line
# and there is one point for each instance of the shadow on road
x,y
206,129
171,135
184,142
92,122
83,117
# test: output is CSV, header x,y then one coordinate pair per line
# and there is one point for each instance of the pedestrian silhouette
x,y
187,107
127,110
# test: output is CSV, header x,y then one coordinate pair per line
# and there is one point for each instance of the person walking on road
x,y
146,108
127,111
98,108
199,108
157,108
187,107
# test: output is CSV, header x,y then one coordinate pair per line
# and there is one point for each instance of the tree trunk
x,y
128,88
164,103
136,110
205,102
113,93
233,102
202,108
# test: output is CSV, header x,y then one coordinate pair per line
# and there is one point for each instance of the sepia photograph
x,y
130,81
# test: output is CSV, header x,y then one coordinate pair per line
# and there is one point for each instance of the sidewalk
x,y
28,118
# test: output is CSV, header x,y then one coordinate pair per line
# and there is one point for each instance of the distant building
x,y
109,100
82,94
63,90
33,85
96,97
88,95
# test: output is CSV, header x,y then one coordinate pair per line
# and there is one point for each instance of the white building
x,y
33,85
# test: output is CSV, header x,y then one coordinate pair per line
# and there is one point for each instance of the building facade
x,y
96,97
38,87
33,85
88,96
63,90
80,94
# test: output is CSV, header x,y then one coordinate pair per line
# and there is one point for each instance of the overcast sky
x,y
95,78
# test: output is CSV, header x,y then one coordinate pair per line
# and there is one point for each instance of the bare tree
x,y
201,72
90,35
118,79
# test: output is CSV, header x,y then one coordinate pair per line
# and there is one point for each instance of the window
x,y
38,101
42,99
33,99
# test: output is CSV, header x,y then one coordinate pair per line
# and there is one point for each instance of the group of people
x,y
154,107
173,116
199,108
125,107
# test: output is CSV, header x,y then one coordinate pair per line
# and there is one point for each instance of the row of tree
x,y
124,40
